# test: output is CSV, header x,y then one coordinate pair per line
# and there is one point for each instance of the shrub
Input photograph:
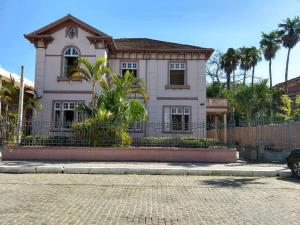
x,y
184,141
101,134
46,140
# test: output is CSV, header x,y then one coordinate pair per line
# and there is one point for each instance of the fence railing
x,y
109,134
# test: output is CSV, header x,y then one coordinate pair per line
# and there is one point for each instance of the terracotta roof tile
x,y
151,44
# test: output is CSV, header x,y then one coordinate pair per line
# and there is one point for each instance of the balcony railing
x,y
216,104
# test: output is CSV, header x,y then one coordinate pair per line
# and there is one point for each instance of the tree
x,y
289,33
255,57
296,111
213,68
9,94
245,61
270,44
92,73
229,63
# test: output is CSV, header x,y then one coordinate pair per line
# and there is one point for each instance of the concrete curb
x,y
143,171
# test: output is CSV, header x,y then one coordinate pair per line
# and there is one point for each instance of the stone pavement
x,y
231,169
81,199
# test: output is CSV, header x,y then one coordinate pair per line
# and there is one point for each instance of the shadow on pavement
x,y
231,182
290,179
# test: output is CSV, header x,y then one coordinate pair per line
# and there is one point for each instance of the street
x,y
60,199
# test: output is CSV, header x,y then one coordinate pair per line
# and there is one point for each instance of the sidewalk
x,y
232,169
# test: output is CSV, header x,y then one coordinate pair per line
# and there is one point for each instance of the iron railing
x,y
109,134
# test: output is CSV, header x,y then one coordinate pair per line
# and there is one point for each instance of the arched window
x,y
70,60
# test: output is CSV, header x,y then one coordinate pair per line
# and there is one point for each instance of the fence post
x,y
259,140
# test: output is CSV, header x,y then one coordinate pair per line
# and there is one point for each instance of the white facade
x,y
153,67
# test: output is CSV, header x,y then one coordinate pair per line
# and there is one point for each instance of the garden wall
x,y
145,154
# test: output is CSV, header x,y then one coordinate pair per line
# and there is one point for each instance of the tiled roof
x,y
151,44
289,81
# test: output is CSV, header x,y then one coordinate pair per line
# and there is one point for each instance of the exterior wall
x,y
154,72
49,66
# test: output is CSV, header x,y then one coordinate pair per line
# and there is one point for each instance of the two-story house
x,y
174,74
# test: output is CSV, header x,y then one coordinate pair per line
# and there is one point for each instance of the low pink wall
x,y
157,154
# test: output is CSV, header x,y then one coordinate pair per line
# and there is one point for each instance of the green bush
x,y
46,140
184,141
101,134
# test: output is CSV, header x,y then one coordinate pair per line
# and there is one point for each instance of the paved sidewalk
x,y
231,169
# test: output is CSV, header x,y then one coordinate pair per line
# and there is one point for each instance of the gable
x,y
66,21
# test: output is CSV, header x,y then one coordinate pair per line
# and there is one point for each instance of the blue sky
x,y
219,24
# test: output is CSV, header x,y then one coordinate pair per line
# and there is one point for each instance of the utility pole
x,y
20,108
0,98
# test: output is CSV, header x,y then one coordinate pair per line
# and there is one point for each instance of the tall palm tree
x,y
245,61
255,57
270,44
229,63
92,73
290,35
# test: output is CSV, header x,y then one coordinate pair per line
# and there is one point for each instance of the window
x,y
176,118
177,73
132,67
65,114
70,60
136,127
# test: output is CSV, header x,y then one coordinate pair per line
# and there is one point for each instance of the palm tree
x,y
229,63
92,73
245,61
289,33
117,102
270,44
118,97
255,57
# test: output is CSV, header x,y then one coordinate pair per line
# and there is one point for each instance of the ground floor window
x,y
176,118
136,127
65,114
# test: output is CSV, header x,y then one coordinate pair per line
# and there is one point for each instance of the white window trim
x,y
174,110
61,108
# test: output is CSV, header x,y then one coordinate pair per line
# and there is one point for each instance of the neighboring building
x,y
293,86
174,73
6,76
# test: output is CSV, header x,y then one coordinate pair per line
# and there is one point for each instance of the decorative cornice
x,y
40,41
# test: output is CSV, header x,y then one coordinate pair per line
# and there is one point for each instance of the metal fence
x,y
109,134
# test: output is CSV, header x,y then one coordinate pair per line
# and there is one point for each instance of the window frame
x,y
170,130
129,61
60,126
174,86
63,76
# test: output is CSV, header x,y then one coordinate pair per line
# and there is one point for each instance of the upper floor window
x,y
132,67
177,74
70,60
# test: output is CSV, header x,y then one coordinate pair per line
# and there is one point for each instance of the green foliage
x,y
229,63
9,95
270,44
180,141
296,111
290,32
7,131
285,110
216,89
92,132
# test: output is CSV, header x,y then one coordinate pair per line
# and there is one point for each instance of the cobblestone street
x,y
135,199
